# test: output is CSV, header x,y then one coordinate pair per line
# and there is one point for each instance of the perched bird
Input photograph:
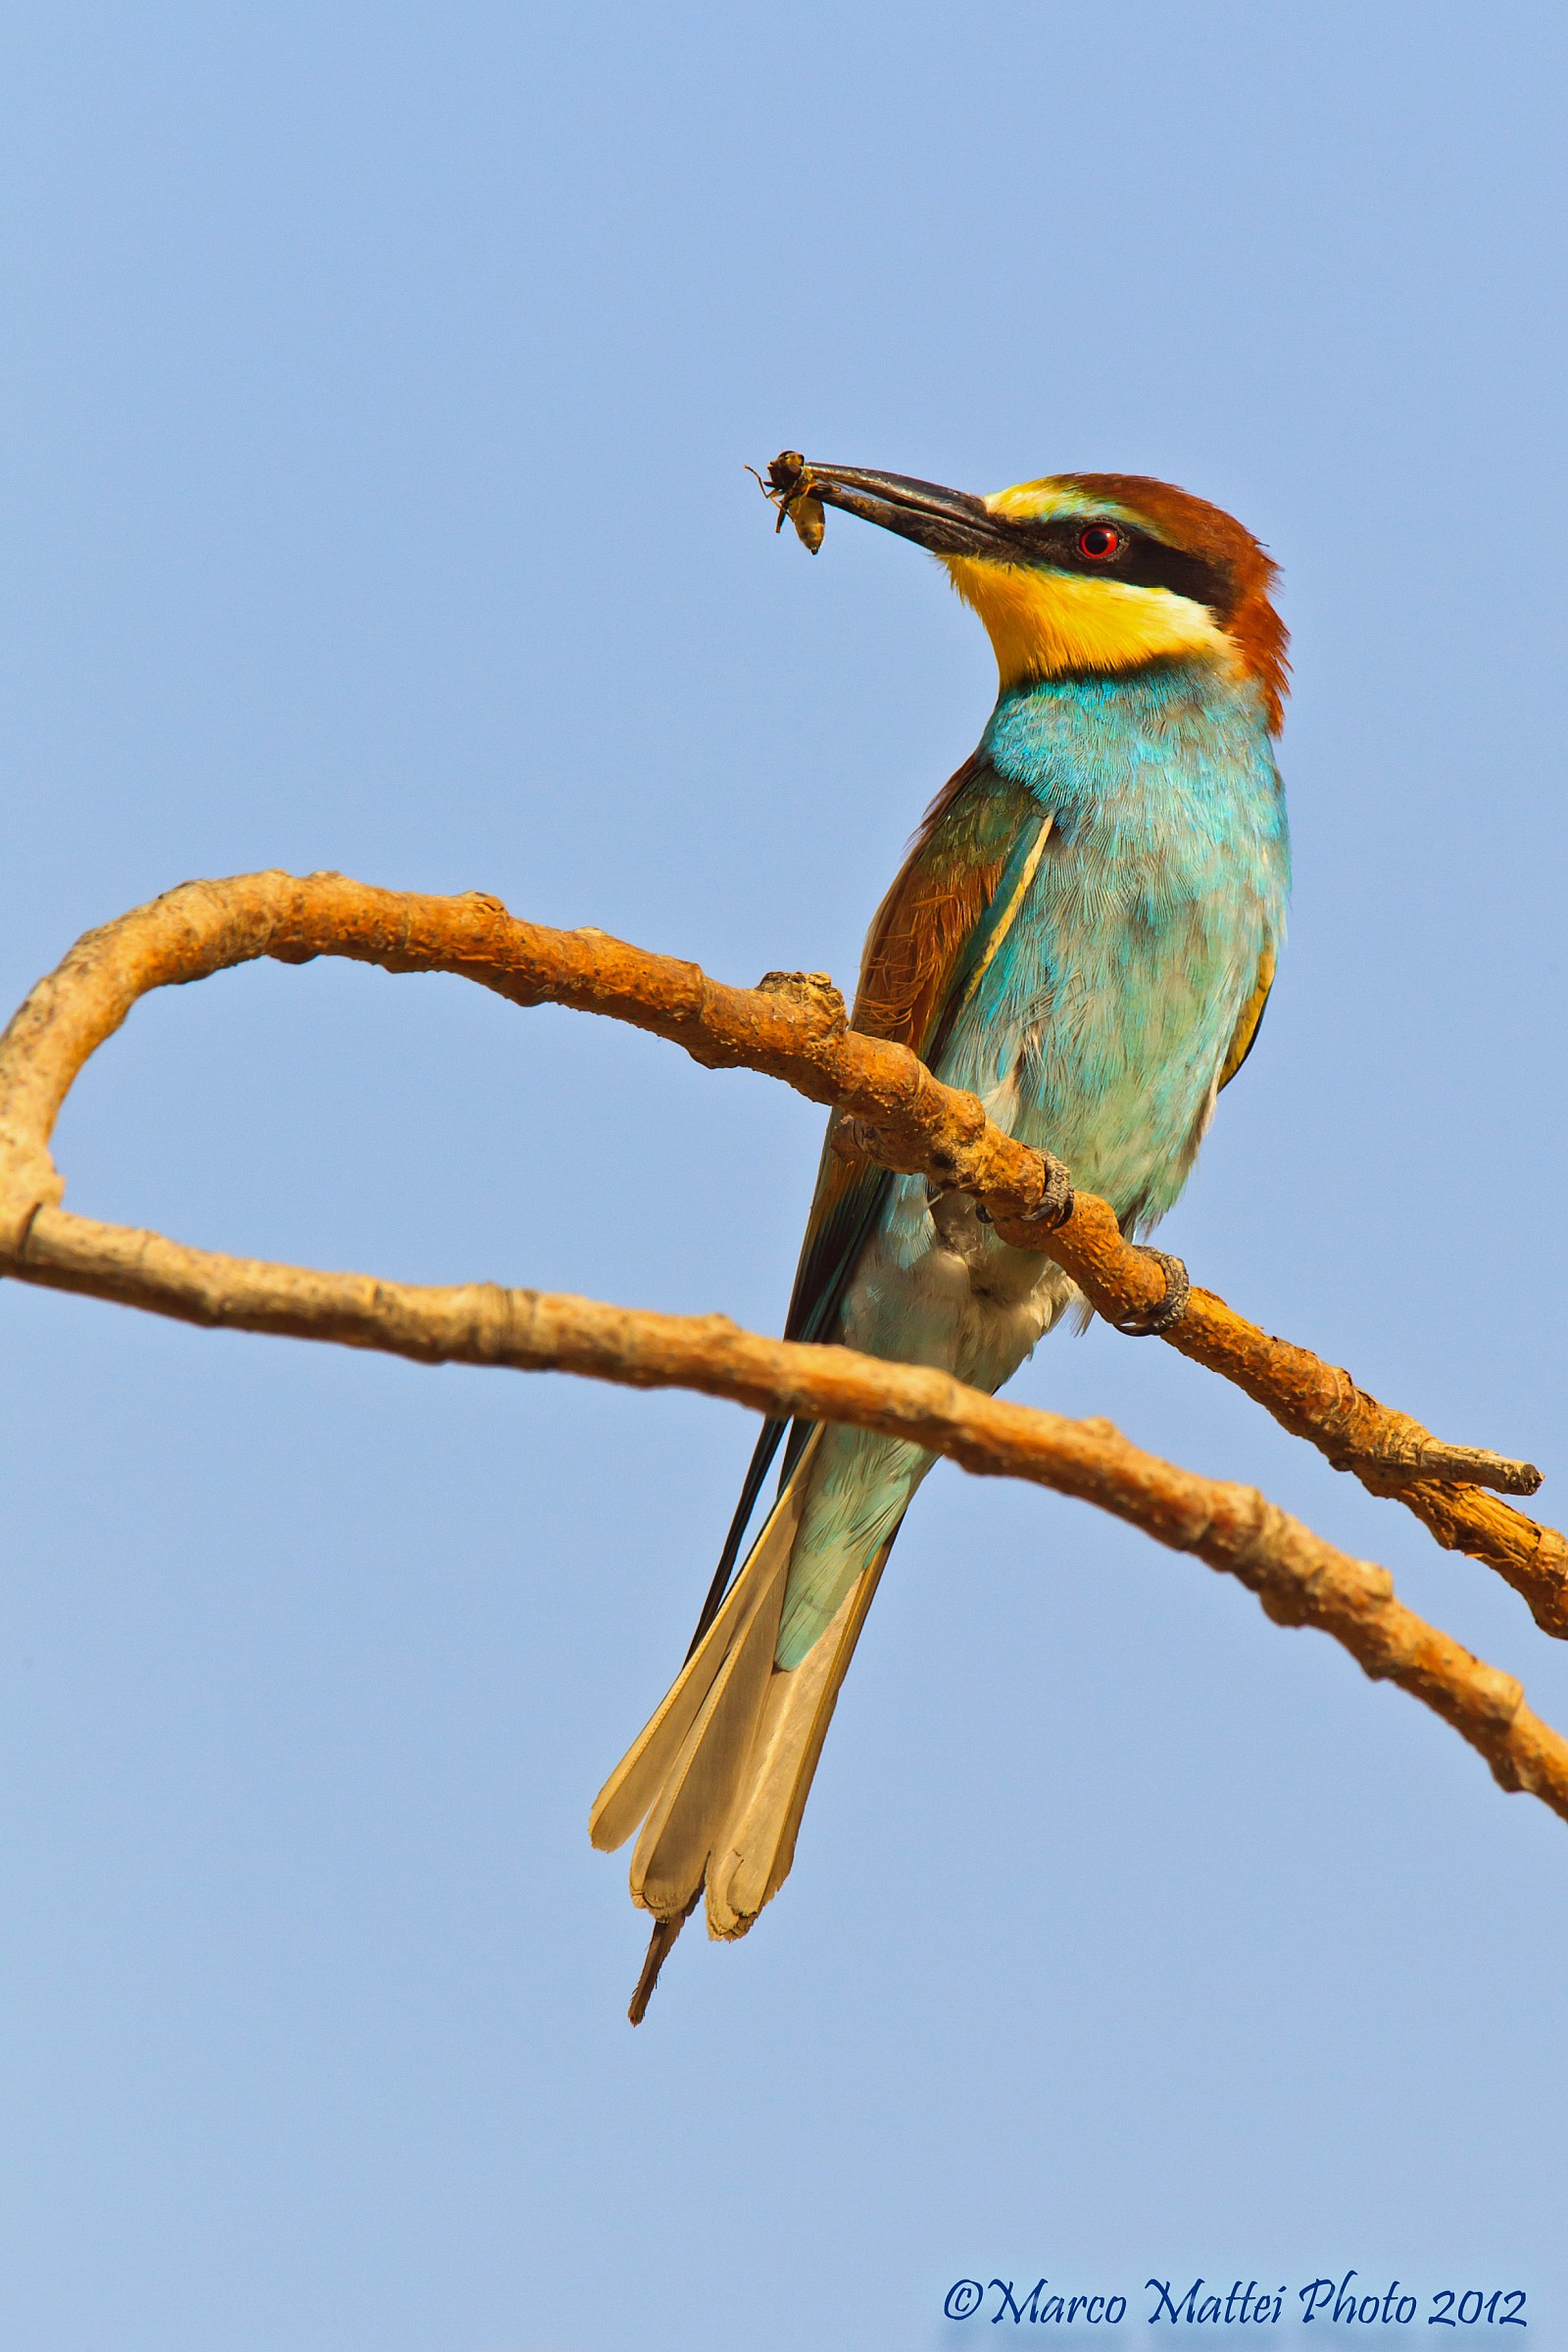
x,y
1084,934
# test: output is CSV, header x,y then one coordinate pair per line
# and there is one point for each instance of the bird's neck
x,y
1076,740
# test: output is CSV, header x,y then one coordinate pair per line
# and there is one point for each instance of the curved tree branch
x,y
1297,1577
792,1027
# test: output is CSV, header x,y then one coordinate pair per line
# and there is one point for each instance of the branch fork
x,y
794,1027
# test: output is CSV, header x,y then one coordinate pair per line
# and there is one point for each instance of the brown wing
x,y
912,975
918,963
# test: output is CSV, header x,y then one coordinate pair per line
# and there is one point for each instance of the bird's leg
x,y
774,497
661,1944
1150,1322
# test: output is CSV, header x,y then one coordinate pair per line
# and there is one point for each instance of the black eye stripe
x,y
1140,560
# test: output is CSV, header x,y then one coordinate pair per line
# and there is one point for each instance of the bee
x,y
788,488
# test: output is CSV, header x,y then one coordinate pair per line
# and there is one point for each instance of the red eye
x,y
1098,542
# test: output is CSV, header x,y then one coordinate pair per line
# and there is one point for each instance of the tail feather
x,y
660,1946
672,1854
719,1776
752,1855
644,1775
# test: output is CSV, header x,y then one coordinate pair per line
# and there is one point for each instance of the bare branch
x,y
1299,1578
794,1028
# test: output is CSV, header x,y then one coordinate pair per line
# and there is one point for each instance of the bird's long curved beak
x,y
948,523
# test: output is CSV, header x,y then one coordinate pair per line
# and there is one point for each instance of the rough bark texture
x,y
1299,1578
793,1027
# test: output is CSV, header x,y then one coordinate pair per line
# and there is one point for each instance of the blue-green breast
x,y
1102,1022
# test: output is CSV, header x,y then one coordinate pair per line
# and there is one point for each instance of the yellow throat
x,y
1042,623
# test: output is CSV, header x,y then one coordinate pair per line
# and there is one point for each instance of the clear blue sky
x,y
378,383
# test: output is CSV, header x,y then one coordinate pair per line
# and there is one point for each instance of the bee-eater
x,y
1083,934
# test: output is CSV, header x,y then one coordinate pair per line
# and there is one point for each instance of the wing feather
x,y
928,941
1252,1020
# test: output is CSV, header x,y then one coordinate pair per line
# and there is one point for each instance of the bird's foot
x,y
1054,1206
1056,1203
1150,1322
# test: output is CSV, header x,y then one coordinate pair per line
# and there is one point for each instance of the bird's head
x,y
1085,573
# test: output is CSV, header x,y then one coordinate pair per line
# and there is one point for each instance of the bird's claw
x,y
1054,1206
1056,1203
1152,1322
